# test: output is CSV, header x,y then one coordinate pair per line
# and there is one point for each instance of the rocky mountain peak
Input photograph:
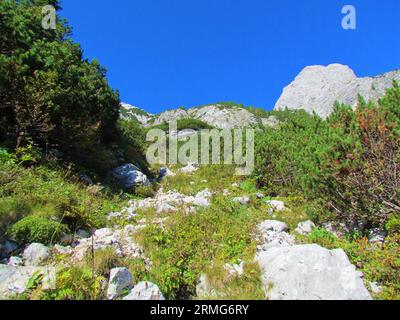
x,y
317,88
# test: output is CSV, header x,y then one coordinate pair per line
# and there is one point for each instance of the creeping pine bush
x,y
37,229
349,163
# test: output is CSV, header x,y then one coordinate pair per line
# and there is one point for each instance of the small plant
x,y
37,229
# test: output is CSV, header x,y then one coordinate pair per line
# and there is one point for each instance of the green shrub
x,y
349,163
37,229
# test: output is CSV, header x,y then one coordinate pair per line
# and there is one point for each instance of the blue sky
x,y
162,54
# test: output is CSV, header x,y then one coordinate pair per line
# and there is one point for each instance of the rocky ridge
x,y
317,88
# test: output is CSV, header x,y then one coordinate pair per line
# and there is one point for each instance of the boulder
x,y
119,240
202,199
273,234
120,280
15,262
35,254
273,225
244,201
14,280
129,176
310,272
276,206
145,291
305,228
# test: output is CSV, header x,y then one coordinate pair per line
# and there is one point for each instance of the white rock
x,y
120,279
276,206
310,272
107,238
63,250
35,254
191,167
245,201
202,199
317,88
215,115
273,225
273,234
166,208
260,196
145,291
129,176
15,262
14,280
305,228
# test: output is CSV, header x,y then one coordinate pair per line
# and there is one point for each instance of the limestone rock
x,y
14,280
129,176
35,254
244,201
145,291
310,272
120,279
273,234
15,262
218,116
276,205
305,228
120,240
317,88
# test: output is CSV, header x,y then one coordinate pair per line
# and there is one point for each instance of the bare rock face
x,y
317,88
129,112
215,115
310,272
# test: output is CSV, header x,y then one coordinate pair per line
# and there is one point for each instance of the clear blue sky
x,y
162,54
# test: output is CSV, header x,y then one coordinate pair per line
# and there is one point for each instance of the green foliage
x,y
51,193
348,164
187,245
37,229
133,142
75,283
49,95
378,264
